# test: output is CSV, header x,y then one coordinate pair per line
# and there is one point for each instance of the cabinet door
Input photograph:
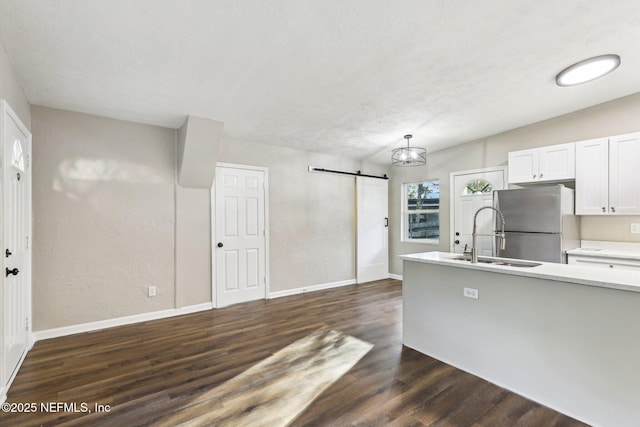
x,y
558,162
624,174
523,166
592,177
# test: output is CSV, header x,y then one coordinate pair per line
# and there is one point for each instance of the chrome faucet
x,y
503,239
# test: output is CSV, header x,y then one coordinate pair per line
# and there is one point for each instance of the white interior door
x,y
16,231
372,261
471,191
240,235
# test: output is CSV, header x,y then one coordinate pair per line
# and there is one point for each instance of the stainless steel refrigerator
x,y
540,223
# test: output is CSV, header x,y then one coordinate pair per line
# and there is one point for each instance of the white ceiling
x,y
347,77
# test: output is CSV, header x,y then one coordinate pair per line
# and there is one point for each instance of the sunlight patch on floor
x,y
275,391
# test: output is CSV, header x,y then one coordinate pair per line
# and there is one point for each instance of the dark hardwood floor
x,y
149,371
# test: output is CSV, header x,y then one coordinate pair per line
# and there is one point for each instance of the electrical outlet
x,y
471,293
152,291
635,228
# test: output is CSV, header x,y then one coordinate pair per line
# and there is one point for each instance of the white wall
x,y
611,118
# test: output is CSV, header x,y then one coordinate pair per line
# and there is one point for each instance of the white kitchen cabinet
x,y
523,166
592,177
604,262
552,163
608,176
624,174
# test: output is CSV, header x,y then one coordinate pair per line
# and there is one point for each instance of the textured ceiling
x,y
346,77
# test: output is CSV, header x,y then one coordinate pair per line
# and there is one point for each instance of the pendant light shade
x,y
409,156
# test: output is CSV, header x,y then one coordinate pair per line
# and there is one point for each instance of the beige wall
x,y
311,221
104,218
193,246
11,90
611,118
109,219
311,215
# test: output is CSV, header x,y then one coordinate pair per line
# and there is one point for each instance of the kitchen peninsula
x,y
565,336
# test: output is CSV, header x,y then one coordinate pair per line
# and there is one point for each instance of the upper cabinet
x,y
608,176
552,163
592,177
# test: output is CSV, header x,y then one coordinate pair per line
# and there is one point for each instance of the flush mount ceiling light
x,y
409,156
587,70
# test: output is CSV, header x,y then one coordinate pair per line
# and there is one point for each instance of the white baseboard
x,y
395,276
311,288
119,321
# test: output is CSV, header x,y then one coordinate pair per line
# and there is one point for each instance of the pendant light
x,y
409,156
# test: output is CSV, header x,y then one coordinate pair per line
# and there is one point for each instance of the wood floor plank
x,y
166,369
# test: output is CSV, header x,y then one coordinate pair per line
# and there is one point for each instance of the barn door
x,y
372,260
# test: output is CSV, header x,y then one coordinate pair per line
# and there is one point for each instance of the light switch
x,y
635,228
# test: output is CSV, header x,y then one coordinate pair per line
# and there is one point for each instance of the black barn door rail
x,y
357,173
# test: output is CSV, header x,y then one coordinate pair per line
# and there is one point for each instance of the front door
x,y
239,248
471,191
16,230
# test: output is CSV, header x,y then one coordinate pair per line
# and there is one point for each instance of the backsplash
x,y
609,228
610,246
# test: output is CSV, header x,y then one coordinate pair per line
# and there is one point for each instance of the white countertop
x,y
625,280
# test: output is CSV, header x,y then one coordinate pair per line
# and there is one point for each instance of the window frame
x,y
405,212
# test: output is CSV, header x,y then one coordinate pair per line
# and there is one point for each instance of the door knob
x,y
457,242
7,253
15,271
220,244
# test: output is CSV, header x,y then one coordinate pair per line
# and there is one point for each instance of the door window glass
x,y
477,186
17,159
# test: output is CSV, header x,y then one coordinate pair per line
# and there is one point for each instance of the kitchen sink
x,y
500,261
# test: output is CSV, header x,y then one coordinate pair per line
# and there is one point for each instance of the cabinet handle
x,y
613,209
604,209
610,266
534,175
540,175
